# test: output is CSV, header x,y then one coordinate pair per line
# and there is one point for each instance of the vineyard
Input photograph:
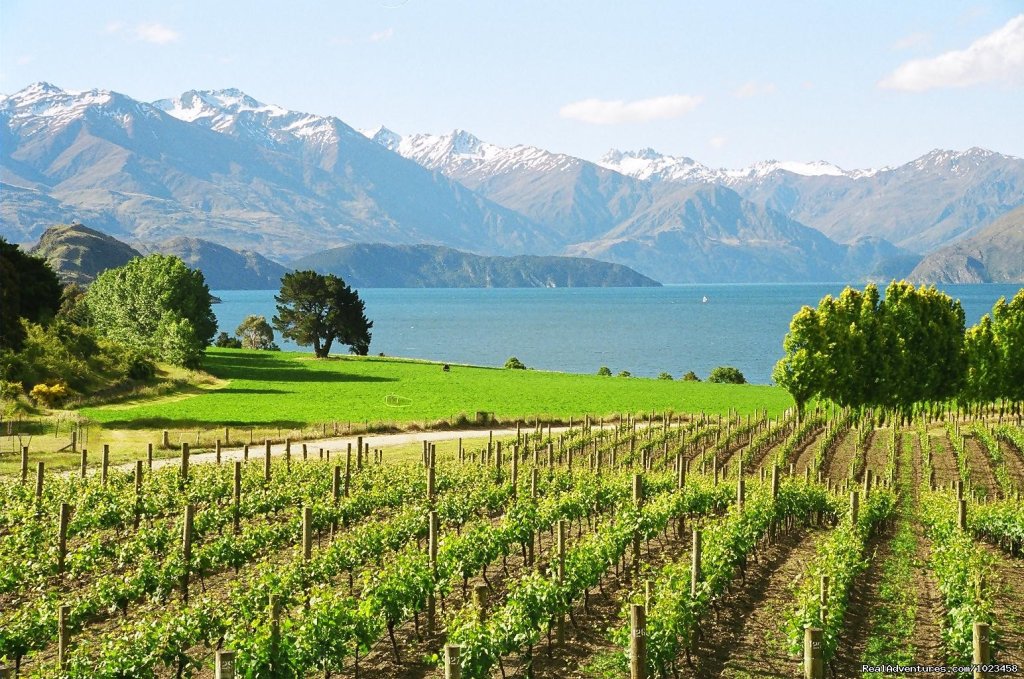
x,y
654,546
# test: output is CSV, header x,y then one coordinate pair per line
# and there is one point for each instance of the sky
x,y
861,84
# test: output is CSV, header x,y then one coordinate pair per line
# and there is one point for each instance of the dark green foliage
x,y
725,374
316,310
690,376
625,373
665,376
155,305
226,341
994,351
604,371
514,363
29,289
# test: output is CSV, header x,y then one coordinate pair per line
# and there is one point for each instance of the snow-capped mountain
x,y
229,168
649,165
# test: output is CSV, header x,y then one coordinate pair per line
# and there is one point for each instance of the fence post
x,y
24,464
561,575
452,669
105,464
184,462
62,535
236,496
85,461
982,648
432,531
741,490
638,501
186,550
775,481
63,637
637,642
225,665
695,562
266,460
961,515
40,473
814,660
854,507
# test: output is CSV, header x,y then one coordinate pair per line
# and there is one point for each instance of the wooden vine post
x,y
982,650
85,461
236,498
695,574
814,653
638,501
359,453
275,624
824,599
40,473
854,507
452,668
775,481
225,665
266,460
432,558
307,533
63,637
348,469
62,535
961,514
24,464
105,468
637,642
138,495
480,601
186,550
184,462
515,472
741,490
149,455
217,448
562,530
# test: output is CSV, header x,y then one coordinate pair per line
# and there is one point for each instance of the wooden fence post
x,y
63,637
961,514
40,473
775,481
307,533
62,535
824,599
638,501
480,601
432,531
814,659
637,642
24,464
186,550
184,462
105,464
695,562
236,497
217,448
225,665
741,490
982,650
165,440
562,525
85,461
452,669
266,460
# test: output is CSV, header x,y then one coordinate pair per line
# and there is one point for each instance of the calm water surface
x,y
642,330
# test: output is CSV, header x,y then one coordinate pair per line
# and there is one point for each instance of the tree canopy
x,y
155,304
726,374
314,309
255,333
29,289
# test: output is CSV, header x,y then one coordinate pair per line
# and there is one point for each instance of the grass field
x,y
292,390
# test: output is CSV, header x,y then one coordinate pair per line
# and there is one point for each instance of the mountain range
x,y
225,167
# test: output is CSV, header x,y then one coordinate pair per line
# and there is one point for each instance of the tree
x,y
1008,333
226,341
29,289
725,374
665,376
984,364
316,310
690,376
255,333
604,371
800,370
155,304
514,363
625,373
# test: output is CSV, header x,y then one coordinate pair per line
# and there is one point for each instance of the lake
x,y
642,330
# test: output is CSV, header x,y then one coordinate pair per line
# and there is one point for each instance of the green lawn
x,y
293,389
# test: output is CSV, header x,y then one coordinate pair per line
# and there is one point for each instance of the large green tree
x,y
155,304
1008,332
314,309
800,371
29,289
255,333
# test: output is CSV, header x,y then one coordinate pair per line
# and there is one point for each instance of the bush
x,y
514,363
725,374
625,373
691,377
604,371
664,376
226,341
10,390
49,394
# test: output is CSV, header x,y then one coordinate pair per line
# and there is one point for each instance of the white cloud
x,y
717,142
154,33
996,57
381,36
911,41
753,89
24,60
603,112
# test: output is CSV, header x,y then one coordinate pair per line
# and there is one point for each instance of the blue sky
x,y
861,84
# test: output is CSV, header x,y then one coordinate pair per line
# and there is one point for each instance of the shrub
x,y
514,363
664,376
725,374
49,394
625,373
604,371
691,376
226,341
10,390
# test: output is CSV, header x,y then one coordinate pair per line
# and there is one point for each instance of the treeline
x,y
910,347
60,341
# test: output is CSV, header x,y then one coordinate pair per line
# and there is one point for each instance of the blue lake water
x,y
642,330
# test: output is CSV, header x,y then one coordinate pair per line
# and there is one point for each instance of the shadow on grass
x,y
242,390
172,423
271,369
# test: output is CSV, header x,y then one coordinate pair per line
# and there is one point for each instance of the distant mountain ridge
x,y
430,266
226,168
993,255
78,254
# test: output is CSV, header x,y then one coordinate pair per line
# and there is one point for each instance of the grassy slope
x,y
292,389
